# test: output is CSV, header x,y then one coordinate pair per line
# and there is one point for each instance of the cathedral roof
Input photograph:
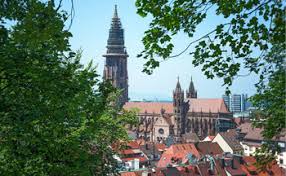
x,y
213,105
150,107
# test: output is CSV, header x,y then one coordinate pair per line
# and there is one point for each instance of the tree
x,y
252,38
56,117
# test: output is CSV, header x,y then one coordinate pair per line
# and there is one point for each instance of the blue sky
x,y
90,32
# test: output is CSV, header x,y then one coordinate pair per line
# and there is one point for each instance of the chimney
x,y
222,162
136,164
146,146
232,163
241,160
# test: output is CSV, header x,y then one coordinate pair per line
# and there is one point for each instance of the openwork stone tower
x,y
115,69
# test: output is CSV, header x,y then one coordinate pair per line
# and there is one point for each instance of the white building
x,y
253,140
228,142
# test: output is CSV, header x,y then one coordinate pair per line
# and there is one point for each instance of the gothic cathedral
x,y
115,69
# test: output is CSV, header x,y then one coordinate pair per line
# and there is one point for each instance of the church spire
x,y
178,93
191,92
178,86
115,14
115,42
191,87
116,58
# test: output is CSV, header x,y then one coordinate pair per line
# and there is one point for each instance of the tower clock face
x,y
161,131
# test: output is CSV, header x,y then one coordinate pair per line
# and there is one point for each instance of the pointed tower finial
x,y
191,92
178,86
115,15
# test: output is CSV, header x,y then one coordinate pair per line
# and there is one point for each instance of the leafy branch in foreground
x,y
252,38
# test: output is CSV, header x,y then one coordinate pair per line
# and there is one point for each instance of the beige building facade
x,y
184,115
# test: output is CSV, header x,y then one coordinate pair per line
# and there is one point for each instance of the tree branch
x,y
204,36
258,7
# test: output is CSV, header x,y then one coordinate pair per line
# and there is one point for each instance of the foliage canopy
x,y
252,38
56,117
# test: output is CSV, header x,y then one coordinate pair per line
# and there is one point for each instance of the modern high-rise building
x,y
115,69
226,99
244,102
236,102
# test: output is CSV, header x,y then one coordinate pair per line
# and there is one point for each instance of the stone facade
x,y
115,69
182,116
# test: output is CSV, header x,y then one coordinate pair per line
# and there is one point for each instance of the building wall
x,y
145,121
248,150
222,143
161,130
281,159
203,124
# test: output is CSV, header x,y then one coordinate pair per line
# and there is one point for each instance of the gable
x,y
222,143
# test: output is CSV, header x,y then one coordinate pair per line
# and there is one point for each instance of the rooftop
x,y
213,105
230,138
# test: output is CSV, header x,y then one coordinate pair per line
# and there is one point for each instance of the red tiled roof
x,y
219,168
251,132
230,139
140,141
204,168
178,151
150,107
209,148
141,159
196,104
249,159
133,144
278,170
250,166
128,174
238,120
207,105
130,151
237,170
190,138
160,147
